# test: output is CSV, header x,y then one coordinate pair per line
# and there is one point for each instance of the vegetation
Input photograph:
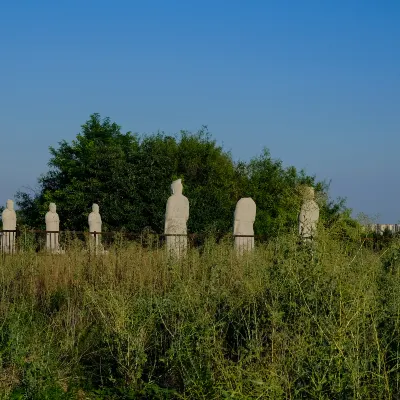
x,y
129,176
286,322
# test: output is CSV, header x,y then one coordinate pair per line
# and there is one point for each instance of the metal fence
x,y
13,241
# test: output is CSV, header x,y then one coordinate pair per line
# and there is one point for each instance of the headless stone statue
x,y
95,225
9,218
52,225
309,215
245,215
176,217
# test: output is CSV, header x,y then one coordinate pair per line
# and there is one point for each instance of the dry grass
x,y
285,322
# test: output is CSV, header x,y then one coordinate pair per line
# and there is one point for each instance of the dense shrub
x,y
129,176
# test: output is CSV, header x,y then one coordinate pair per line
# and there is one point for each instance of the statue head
x,y
95,208
177,187
52,207
308,192
10,205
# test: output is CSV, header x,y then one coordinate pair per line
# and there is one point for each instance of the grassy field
x,y
285,322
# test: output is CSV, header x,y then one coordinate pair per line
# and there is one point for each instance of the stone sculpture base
x,y
244,244
177,246
7,242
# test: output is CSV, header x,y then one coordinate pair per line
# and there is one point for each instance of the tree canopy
x,y
129,176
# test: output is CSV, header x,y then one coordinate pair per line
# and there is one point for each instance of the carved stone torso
x,y
52,221
9,218
94,222
177,214
308,218
245,215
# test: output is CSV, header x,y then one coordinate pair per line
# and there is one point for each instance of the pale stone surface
x,y
95,224
9,218
309,215
245,215
176,217
52,225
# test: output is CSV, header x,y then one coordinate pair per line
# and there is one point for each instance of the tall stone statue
x,y
9,218
309,215
52,227
176,217
95,224
245,215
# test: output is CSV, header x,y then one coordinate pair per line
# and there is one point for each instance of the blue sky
x,y
316,82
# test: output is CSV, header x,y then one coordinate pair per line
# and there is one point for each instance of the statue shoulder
x,y
170,201
9,213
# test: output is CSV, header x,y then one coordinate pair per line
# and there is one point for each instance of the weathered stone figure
x,y
52,225
309,215
176,217
9,218
95,224
245,215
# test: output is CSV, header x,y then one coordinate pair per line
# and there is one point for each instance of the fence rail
x,y
13,241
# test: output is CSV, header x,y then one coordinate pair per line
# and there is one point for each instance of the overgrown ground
x,y
281,323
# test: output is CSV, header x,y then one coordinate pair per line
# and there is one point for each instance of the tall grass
x,y
286,322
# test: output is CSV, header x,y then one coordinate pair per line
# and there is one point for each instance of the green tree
x,y
210,175
129,176
95,167
275,191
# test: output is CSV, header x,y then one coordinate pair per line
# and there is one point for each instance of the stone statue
x,y
245,215
95,224
176,217
309,215
9,218
53,226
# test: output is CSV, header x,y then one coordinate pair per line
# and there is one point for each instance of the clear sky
x,y
317,82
